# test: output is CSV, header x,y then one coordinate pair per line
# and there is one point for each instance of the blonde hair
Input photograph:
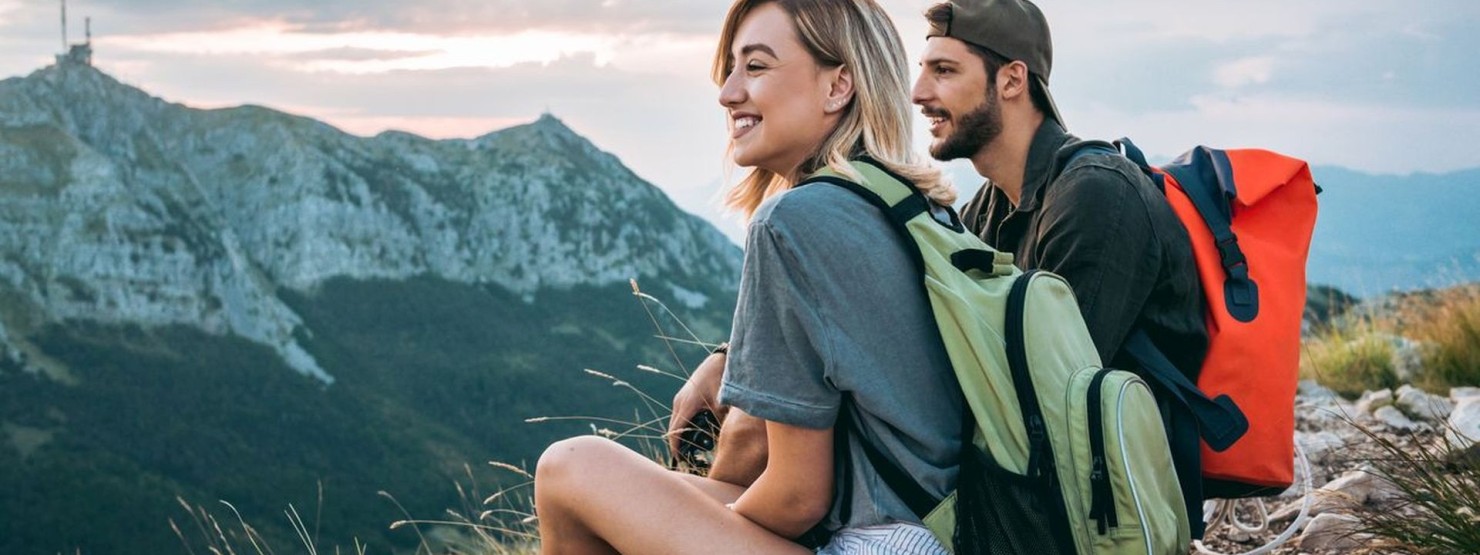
x,y
858,35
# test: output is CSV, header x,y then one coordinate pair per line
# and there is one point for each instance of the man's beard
x,y
971,132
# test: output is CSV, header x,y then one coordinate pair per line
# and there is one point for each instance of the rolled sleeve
x,y
777,366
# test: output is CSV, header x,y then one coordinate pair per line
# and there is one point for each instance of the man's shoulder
x,y
1096,181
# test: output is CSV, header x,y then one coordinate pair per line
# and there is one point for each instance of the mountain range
x,y
248,306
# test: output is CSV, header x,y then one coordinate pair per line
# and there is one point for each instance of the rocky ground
x,y
1345,465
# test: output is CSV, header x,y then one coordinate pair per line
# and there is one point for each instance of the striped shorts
x,y
896,538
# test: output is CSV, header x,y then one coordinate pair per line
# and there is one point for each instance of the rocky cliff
x,y
119,207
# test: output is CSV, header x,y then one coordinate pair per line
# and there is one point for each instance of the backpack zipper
x,y
1102,504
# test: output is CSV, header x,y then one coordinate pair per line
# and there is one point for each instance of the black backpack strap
x,y
1206,177
1220,421
1040,451
900,482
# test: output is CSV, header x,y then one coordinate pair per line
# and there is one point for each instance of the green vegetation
x,y
1354,353
1449,324
1349,360
434,379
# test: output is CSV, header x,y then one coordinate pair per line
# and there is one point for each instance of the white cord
x,y
1225,509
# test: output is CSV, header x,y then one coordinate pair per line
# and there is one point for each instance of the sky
x,y
1376,86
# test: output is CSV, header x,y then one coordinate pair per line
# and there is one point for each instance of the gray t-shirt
x,y
831,303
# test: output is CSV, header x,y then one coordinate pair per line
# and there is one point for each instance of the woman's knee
x,y
567,461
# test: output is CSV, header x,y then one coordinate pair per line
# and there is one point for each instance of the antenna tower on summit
x,y
75,53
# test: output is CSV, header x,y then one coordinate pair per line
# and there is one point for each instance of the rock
x,y
1343,494
1312,390
1458,393
1423,405
1361,485
1393,418
1463,432
1372,400
1332,532
1318,445
1407,358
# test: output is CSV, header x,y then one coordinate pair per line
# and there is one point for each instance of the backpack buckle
x,y
1231,256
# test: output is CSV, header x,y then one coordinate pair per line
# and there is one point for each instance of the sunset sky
x,y
1391,87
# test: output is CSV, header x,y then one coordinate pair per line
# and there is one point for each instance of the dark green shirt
x,y
1102,225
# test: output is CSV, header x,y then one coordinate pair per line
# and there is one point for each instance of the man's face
x,y
953,92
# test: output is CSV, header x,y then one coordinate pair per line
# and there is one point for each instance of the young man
x,y
1094,218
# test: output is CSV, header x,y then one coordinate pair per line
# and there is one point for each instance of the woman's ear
x,y
840,90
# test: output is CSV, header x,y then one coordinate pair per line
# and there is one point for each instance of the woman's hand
x,y
700,393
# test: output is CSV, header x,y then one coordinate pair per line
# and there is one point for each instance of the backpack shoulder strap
x,y
901,202
1220,421
1206,177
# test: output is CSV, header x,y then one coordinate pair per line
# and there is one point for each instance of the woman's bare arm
x,y
795,490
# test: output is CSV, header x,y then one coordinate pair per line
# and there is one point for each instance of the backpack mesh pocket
x,y
1001,512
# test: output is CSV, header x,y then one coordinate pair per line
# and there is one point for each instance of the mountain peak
x,y
548,119
547,126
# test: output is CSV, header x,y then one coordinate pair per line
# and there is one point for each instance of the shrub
x,y
1450,327
1349,359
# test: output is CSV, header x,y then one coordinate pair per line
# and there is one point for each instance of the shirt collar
x,y
1043,155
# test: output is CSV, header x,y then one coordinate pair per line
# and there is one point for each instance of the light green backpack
x,y
1065,456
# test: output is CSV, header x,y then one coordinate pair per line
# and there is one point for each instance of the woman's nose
x,y
732,92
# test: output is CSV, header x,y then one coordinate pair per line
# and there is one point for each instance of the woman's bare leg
x,y
596,496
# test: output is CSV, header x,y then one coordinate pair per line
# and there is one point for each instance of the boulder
x,y
1319,445
1372,400
1458,393
1393,418
1463,431
1423,405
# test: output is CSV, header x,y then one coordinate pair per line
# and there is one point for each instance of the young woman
x,y
834,342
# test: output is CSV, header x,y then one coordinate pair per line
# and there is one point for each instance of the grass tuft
x,y
1349,359
1439,496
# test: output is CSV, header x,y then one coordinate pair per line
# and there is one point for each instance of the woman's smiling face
x,y
776,94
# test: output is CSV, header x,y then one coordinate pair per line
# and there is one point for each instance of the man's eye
x,y
942,70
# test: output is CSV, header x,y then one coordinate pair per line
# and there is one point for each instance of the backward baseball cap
x,y
1013,29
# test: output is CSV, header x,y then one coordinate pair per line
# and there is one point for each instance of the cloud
x,y
440,17
1363,136
358,54
435,52
6,11
1245,71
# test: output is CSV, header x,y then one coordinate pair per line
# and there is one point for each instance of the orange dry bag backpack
x,y
1250,214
